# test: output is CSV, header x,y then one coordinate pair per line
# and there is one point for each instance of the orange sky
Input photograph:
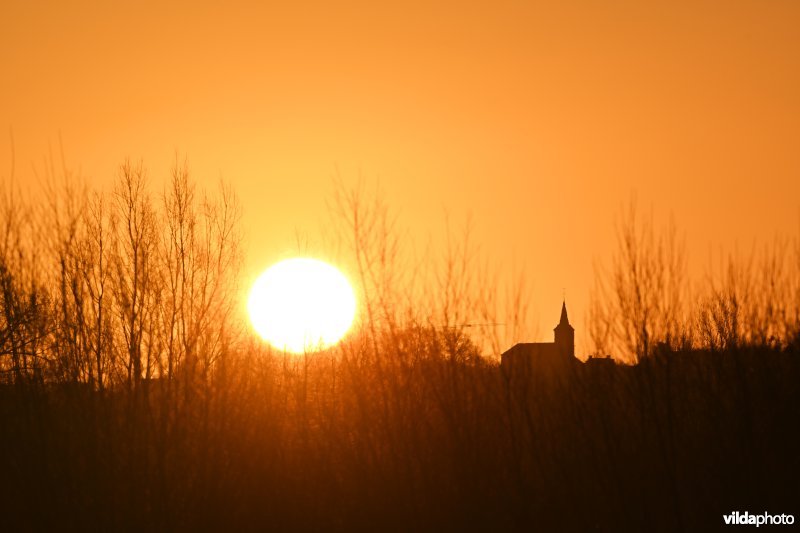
x,y
538,118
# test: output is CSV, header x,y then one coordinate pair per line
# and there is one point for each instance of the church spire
x,y
565,335
564,319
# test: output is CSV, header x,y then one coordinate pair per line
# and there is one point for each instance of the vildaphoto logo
x,y
764,519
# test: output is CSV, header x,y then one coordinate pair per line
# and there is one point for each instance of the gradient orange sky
x,y
537,118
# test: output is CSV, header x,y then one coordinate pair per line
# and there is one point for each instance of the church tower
x,y
565,335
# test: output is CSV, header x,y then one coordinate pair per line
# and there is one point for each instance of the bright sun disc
x,y
301,305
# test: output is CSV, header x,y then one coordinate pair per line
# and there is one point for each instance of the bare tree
x,y
200,260
133,259
640,300
370,236
751,299
61,230
22,328
177,254
22,302
793,316
95,258
449,287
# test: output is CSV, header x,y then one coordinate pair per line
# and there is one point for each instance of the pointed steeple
x,y
565,335
564,319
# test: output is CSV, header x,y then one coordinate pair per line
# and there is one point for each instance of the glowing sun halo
x,y
301,304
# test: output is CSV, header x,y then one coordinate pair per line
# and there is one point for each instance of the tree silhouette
x,y
640,300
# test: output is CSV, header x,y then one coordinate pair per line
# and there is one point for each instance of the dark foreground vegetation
x,y
131,399
401,442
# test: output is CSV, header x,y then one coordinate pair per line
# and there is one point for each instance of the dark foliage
x,y
358,442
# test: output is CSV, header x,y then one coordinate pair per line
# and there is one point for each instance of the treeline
x,y
131,399
411,431
645,296
113,289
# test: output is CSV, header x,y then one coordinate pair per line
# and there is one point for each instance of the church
x,y
559,354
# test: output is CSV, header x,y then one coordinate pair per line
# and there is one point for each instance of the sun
x,y
301,305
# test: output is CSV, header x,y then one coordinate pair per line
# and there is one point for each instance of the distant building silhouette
x,y
554,360
548,356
